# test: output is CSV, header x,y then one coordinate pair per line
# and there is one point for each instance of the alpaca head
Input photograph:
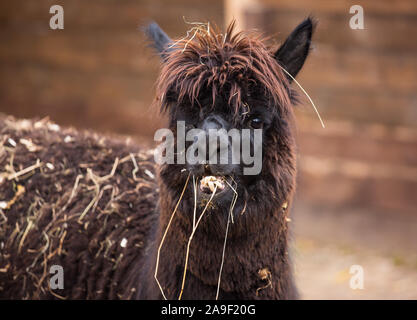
x,y
226,84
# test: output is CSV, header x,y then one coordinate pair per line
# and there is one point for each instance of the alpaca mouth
x,y
210,184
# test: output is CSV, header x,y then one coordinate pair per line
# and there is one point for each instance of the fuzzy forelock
x,y
209,64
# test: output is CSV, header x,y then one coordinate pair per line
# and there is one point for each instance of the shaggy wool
x,y
74,199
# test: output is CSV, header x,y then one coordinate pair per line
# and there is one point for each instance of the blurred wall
x,y
98,73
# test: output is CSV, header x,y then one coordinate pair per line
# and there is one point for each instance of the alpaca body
x,y
227,81
245,258
99,253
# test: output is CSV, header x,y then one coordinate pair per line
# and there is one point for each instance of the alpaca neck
x,y
256,262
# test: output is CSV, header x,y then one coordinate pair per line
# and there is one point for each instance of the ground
x,y
329,242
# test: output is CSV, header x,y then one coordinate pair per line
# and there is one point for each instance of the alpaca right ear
x,y
293,53
160,40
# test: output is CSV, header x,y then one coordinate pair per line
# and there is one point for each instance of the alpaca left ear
x,y
293,53
160,40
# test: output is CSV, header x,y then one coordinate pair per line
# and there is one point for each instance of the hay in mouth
x,y
209,183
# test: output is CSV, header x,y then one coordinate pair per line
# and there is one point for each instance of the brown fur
x,y
225,63
95,265
213,73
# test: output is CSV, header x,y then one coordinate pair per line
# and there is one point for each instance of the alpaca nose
x,y
217,144
215,122
219,140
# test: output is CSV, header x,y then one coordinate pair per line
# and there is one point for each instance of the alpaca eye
x,y
256,123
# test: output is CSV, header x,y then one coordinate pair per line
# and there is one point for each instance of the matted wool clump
x,y
62,191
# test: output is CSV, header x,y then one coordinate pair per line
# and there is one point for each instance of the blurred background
x,y
357,186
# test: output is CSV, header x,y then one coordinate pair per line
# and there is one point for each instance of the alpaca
x,y
228,81
121,226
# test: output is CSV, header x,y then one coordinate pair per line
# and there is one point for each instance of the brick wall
x,y
97,72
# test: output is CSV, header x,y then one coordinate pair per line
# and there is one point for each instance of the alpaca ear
x,y
159,39
293,53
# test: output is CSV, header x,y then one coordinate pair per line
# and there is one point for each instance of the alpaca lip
x,y
210,183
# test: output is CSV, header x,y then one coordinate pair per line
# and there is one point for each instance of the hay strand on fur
x,y
229,218
307,95
190,239
165,233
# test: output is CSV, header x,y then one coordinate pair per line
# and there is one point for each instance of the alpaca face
x,y
228,84
231,146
